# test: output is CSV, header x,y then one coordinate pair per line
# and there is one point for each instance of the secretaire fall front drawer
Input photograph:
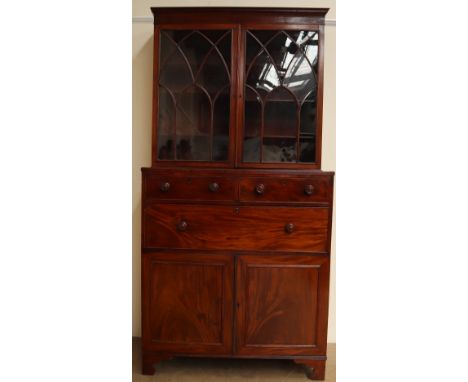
x,y
303,229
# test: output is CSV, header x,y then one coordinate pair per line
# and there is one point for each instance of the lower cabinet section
x,y
235,305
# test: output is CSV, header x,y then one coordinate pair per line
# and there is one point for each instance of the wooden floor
x,y
229,370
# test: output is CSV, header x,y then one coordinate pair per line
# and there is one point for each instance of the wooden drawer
x,y
236,228
189,187
286,189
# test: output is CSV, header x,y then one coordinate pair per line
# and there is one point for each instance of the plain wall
x,y
141,120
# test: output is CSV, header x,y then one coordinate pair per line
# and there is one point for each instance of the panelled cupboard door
x,y
187,302
282,304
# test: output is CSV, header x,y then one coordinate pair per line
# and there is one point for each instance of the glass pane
x,y
252,125
177,74
308,121
281,76
252,149
166,125
262,74
279,150
221,126
214,74
195,48
253,113
177,35
194,101
307,153
280,114
167,47
300,73
193,125
224,46
214,35
263,36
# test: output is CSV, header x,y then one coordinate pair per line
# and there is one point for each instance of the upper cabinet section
x,y
238,87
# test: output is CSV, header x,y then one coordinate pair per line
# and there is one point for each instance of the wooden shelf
x,y
277,100
280,137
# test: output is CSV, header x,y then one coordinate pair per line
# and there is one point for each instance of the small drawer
x,y
188,187
303,229
286,189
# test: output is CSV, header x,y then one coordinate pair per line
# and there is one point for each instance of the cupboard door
x,y
281,83
282,304
187,302
194,102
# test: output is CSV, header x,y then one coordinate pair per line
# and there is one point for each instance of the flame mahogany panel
x,y
187,302
282,304
234,228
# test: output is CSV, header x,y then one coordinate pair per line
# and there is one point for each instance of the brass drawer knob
x,y
289,228
214,187
182,225
165,186
260,189
309,189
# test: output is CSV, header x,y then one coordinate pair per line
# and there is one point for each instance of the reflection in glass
x,y
280,74
193,125
262,74
194,98
252,149
279,150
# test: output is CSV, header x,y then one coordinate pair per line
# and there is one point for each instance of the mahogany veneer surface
x,y
230,227
236,230
192,186
282,304
192,298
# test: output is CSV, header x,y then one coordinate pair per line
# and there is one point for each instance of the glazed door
x,y
282,304
194,101
187,302
281,77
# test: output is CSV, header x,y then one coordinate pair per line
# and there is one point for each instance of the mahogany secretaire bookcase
x,y
236,221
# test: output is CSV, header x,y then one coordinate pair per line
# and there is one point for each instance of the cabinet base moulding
x,y
314,366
